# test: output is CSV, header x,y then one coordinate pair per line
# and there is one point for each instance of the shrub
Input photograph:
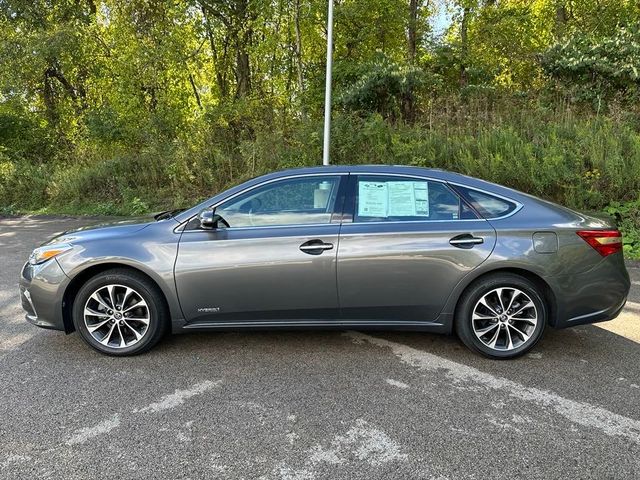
x,y
595,69
384,87
585,163
627,215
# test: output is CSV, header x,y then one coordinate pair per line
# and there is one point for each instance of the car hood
x,y
103,230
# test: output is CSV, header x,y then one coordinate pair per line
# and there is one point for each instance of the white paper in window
x,y
402,201
421,193
372,199
408,199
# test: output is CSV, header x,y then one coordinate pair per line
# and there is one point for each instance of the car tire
x,y
125,305
501,316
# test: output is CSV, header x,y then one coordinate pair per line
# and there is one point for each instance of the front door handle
x,y
466,241
315,247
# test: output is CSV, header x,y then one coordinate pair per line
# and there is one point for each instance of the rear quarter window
x,y
487,205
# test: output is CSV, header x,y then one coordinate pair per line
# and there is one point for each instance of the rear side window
x,y
486,204
392,199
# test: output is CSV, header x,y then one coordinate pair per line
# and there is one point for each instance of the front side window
x,y
380,199
294,201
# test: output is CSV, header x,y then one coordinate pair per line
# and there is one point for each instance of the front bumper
x,y
594,296
41,292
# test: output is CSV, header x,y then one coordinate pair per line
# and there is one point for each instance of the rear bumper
x,y
41,292
597,295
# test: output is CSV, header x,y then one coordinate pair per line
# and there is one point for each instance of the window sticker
x,y
393,199
402,200
373,199
421,193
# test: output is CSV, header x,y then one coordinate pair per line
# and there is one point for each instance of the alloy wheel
x,y
505,318
116,316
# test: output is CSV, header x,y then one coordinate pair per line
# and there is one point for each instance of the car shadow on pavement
x,y
586,363
588,344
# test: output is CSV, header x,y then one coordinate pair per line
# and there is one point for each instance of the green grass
x,y
588,163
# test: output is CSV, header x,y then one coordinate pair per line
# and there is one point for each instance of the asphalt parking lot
x,y
312,405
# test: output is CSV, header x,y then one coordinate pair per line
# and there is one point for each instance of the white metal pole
x,y
327,90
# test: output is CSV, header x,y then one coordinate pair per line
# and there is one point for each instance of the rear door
x,y
404,244
275,262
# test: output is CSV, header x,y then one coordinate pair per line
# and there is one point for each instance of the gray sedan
x,y
375,247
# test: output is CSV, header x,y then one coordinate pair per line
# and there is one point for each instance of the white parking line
x,y
581,413
632,305
88,433
397,383
178,397
165,403
364,441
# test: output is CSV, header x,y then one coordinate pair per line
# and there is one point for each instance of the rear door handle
x,y
315,247
466,241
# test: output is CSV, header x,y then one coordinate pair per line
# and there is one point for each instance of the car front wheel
x,y
120,312
501,316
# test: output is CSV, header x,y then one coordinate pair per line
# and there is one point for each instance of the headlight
x,y
42,254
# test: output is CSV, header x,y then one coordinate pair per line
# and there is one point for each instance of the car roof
x,y
405,169
432,173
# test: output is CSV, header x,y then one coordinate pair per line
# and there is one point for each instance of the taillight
x,y
605,242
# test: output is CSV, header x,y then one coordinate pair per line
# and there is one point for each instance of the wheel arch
x,y
547,292
82,277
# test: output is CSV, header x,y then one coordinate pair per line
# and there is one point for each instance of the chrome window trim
x,y
416,233
408,175
417,221
253,187
264,227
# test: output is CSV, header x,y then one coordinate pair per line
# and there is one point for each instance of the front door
x,y
410,242
276,261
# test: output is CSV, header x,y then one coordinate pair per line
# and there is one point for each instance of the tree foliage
x,y
593,69
115,106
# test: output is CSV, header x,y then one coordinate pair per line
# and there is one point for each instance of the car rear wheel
x,y
501,316
120,312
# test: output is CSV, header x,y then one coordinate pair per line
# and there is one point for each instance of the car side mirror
x,y
208,219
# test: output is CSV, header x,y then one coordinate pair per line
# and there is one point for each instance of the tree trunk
x,y
195,90
53,72
92,7
298,51
562,17
242,34
464,46
49,102
219,62
412,31
243,72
